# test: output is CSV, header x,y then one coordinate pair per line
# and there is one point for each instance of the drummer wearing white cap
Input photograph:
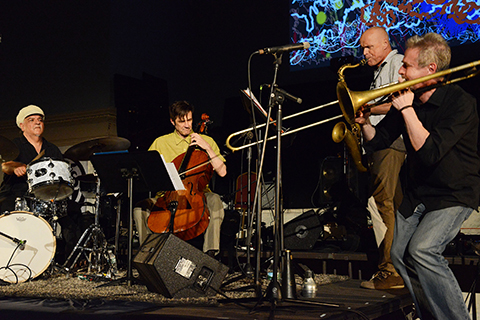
x,y
31,145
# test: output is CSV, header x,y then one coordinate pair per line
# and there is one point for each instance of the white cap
x,y
28,111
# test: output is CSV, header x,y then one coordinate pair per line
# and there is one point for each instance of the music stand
x,y
117,172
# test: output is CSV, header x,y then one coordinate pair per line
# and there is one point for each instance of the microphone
x,y
289,96
285,48
283,92
20,243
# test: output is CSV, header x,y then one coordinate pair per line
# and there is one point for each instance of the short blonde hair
x,y
432,48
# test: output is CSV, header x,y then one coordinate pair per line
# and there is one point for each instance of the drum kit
x,y
28,234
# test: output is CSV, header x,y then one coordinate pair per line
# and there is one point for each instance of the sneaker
x,y
383,280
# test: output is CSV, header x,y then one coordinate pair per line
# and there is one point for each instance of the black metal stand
x,y
248,267
276,99
118,171
129,175
95,234
281,257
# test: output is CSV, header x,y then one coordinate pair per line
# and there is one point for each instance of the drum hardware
x,y
92,245
21,204
53,221
45,209
28,249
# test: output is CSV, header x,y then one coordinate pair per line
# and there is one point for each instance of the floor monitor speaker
x,y
302,232
176,269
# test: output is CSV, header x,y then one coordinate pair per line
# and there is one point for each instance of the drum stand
x,y
54,224
92,244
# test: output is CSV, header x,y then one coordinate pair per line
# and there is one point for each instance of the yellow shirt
x,y
172,145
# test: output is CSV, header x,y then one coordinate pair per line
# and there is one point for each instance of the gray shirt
x,y
387,73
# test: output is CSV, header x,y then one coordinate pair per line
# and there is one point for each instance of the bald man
x,y
384,165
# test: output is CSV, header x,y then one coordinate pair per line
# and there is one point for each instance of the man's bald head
x,y
376,45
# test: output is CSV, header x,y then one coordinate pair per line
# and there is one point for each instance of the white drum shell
x,y
49,179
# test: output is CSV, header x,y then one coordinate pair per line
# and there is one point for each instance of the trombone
x,y
350,103
244,131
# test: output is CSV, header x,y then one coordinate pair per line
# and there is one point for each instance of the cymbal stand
x,y
94,235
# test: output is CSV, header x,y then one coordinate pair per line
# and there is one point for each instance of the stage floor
x,y
339,300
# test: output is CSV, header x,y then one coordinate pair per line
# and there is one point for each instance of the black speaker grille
x,y
176,269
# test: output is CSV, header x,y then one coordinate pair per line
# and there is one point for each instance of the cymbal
x,y
84,150
8,150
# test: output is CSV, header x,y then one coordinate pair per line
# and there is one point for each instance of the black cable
x,y
8,266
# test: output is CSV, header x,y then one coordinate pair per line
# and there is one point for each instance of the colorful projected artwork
x,y
333,27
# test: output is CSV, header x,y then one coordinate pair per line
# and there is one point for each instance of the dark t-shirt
x,y
13,186
444,172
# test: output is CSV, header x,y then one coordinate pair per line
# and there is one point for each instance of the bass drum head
x,y
18,265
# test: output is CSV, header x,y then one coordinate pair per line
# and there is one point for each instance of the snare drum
x,y
49,179
17,264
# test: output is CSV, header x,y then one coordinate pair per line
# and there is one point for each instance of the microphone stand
x,y
248,271
276,98
248,267
273,291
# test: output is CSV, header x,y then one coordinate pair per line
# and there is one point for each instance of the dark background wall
x,y
140,56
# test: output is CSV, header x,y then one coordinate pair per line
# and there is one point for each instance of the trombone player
x,y
440,130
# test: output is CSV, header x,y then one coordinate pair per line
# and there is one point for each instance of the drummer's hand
x,y
20,171
13,167
199,141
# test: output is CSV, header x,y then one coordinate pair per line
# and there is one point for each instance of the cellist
x,y
171,146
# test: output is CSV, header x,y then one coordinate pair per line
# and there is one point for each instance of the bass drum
x,y
22,264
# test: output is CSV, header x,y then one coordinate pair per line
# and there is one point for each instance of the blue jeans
x,y
418,244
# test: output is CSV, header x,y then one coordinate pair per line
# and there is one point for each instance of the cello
x,y
184,212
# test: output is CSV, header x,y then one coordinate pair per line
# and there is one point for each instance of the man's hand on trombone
x,y
363,114
403,98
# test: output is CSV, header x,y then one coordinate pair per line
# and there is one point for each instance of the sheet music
x,y
249,95
173,173
255,101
